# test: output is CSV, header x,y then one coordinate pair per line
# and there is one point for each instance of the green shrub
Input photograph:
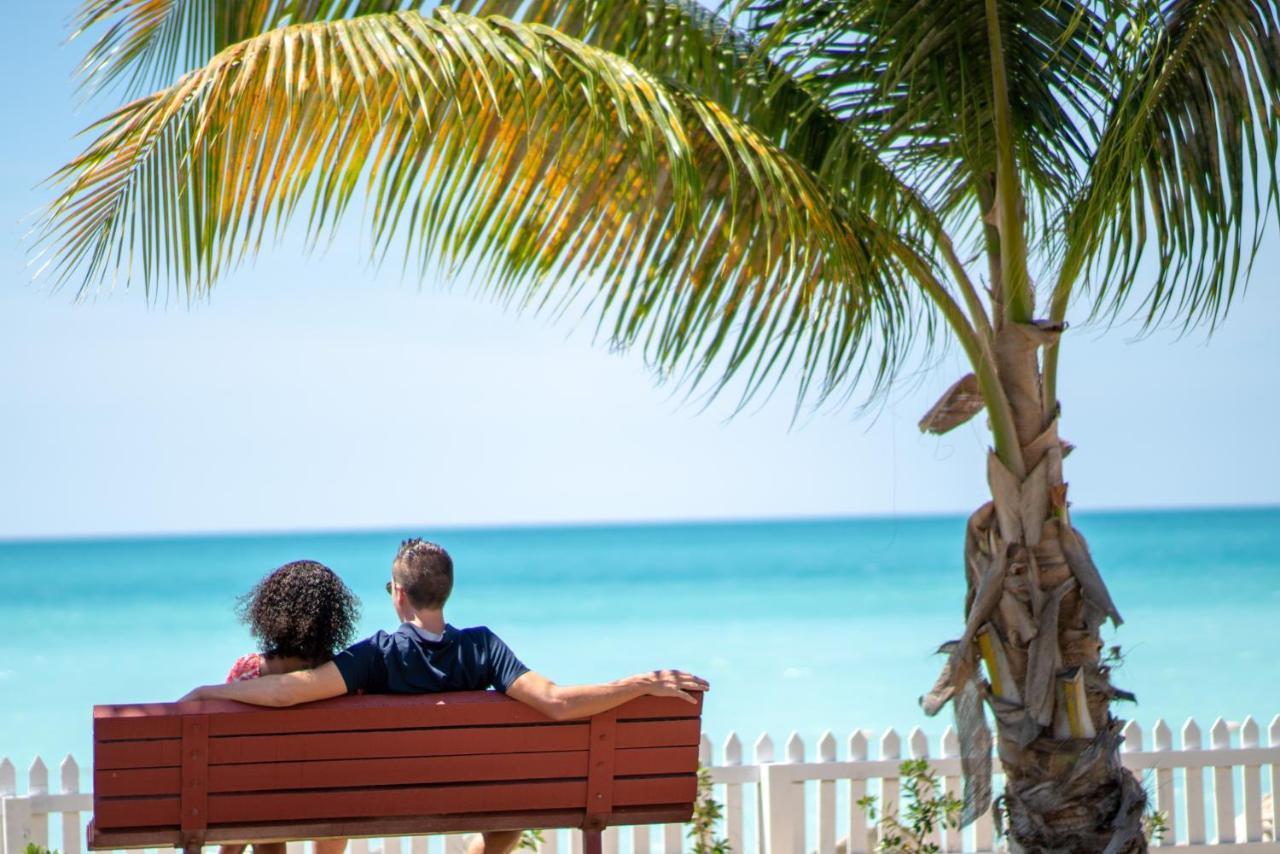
x,y
926,811
707,813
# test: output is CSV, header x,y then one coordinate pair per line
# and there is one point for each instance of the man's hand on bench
x,y
566,702
672,683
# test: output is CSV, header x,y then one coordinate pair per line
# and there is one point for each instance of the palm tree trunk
x,y
1066,789
1034,611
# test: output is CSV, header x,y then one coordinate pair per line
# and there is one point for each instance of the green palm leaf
x,y
916,78
557,168
685,43
1190,140
147,43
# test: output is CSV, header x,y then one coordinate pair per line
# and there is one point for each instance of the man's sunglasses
x,y
390,584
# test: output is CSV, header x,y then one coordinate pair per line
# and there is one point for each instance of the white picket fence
x,y
796,804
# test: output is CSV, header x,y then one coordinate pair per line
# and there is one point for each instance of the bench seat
x,y
186,774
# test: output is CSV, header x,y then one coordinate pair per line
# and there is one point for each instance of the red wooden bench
x,y
186,774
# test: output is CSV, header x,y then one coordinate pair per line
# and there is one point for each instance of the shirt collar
x,y
423,634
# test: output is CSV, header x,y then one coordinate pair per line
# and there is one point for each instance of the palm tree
x,y
788,189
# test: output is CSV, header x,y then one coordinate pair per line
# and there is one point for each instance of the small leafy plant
x,y
1155,825
32,848
707,813
926,812
530,840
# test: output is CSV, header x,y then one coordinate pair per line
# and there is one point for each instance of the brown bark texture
x,y
1035,606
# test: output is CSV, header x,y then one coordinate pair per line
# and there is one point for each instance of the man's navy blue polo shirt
x,y
408,661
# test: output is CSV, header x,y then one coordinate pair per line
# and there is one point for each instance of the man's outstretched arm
x,y
283,689
564,702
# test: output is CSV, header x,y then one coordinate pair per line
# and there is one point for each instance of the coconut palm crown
x,y
784,188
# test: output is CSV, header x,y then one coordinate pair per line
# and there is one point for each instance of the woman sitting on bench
x,y
301,615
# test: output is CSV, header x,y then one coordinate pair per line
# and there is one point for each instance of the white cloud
x,y
797,673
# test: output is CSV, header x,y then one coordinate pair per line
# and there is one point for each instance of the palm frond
x,y
692,47
1189,143
146,44
916,77
561,170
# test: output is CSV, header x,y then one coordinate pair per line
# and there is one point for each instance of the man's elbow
x,y
554,705
559,711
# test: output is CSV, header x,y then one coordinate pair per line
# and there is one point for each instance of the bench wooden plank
x,y
406,801
461,741
137,754
100,838
637,791
325,774
343,773
465,741
315,746
464,708
236,809
258,807
659,733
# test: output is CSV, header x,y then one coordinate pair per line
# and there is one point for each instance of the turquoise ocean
x,y
800,626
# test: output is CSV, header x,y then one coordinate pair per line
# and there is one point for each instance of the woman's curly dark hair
x,y
301,610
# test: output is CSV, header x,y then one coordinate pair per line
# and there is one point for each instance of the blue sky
x,y
313,392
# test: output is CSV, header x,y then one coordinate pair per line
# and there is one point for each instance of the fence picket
x,y
550,842
763,749
1161,742
918,747
69,784
787,803
1252,777
358,846
1273,740
762,752
15,812
38,784
732,797
1132,734
640,839
1193,785
1224,800
827,798
672,838
8,786
951,784
857,840
891,749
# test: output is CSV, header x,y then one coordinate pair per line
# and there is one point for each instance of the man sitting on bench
x,y
427,655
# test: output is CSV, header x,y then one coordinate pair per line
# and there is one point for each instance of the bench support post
x,y
195,782
600,765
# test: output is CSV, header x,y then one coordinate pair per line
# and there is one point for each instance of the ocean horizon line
x,y
590,524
